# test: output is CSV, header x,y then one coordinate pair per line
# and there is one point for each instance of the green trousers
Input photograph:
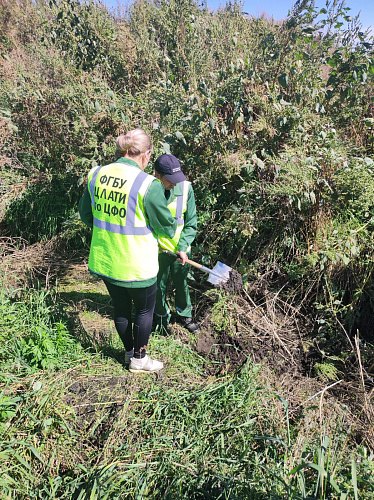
x,y
169,267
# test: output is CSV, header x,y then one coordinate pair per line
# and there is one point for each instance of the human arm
x,y
85,209
190,223
156,209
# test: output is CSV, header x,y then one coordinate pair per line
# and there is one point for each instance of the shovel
x,y
218,276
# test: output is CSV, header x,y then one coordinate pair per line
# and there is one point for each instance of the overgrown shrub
x,y
46,204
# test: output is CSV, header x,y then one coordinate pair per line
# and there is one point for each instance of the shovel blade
x,y
219,274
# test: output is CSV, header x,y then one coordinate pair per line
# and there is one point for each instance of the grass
x,y
280,184
85,428
32,332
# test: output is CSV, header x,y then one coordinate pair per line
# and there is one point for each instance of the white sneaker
x,y
145,365
128,356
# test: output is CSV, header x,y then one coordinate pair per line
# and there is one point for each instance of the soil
x,y
234,283
227,350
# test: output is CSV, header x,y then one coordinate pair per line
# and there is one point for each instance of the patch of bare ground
x,y
96,401
268,330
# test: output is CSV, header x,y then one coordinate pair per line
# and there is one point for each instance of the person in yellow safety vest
x,y
128,212
181,202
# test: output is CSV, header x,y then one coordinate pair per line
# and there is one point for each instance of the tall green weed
x,y
32,332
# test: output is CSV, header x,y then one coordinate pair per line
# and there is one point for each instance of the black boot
x,y
190,324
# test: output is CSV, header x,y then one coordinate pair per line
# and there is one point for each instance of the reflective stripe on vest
x,y
177,208
180,202
123,245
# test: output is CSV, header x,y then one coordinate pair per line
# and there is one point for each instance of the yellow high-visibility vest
x,y
177,208
123,246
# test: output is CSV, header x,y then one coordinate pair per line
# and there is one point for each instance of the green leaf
x,y
180,136
36,454
124,118
285,403
354,479
260,163
331,62
37,385
22,460
224,130
268,438
283,80
165,148
346,260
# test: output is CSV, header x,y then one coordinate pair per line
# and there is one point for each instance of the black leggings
x,y
133,336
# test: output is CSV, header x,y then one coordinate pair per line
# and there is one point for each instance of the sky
x,y
278,9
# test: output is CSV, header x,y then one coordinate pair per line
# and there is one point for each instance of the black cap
x,y
169,166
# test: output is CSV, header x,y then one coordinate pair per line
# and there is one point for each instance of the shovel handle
x,y
198,266
192,263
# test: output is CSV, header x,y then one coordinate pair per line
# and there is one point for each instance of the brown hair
x,y
134,143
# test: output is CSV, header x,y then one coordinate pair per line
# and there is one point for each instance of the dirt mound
x,y
226,352
265,332
234,283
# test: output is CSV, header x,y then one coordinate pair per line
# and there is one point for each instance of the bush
x,y
40,212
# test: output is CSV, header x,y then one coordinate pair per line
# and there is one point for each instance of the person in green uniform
x,y
180,198
128,212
